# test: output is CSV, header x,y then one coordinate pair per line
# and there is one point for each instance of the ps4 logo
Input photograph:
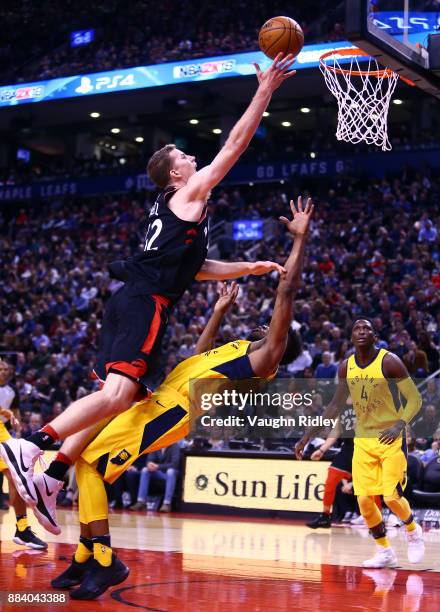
x,y
118,81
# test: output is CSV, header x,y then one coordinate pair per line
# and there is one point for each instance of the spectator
x,y
163,466
416,360
426,424
326,369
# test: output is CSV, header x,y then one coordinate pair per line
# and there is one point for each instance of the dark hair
x,y
293,347
364,319
159,166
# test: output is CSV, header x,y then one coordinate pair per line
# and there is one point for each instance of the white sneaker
x,y
416,545
392,521
384,557
47,489
347,517
20,457
358,521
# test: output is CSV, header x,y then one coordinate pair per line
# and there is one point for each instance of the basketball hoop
x,y
363,95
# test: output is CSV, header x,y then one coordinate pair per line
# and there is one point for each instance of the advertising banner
x,y
262,484
155,75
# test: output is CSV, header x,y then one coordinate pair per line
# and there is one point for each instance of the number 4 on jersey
x,y
364,395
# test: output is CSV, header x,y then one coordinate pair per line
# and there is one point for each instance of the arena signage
x,y
392,161
260,484
143,77
394,23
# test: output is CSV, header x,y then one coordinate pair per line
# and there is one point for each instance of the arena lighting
x,y
216,131
95,115
266,114
194,121
115,130
286,123
122,161
139,139
305,109
397,101
312,154
113,147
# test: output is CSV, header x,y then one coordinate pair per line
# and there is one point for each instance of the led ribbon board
x,y
156,75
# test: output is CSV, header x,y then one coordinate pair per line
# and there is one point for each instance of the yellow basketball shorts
x,y
379,469
149,425
4,435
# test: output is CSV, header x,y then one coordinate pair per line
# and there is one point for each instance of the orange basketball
x,y
280,35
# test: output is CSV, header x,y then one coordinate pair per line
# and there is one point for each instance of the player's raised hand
x,y
228,295
277,72
299,224
258,268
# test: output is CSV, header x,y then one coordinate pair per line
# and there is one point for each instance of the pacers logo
x,y
201,482
121,457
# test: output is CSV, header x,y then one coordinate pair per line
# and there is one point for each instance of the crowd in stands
x,y
374,251
136,33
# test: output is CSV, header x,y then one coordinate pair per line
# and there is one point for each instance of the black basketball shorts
x,y
344,458
131,336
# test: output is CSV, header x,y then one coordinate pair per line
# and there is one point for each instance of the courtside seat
x,y
429,493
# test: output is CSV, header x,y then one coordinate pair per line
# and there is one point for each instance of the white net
x,y
363,94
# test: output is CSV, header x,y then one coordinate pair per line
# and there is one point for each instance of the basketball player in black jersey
x,y
136,316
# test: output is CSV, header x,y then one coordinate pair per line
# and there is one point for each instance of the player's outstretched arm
x,y
201,183
333,410
228,270
394,369
266,356
228,295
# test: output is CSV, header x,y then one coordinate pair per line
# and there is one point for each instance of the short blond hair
x,y
159,166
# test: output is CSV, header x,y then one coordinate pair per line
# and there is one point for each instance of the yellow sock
x,y
82,553
382,542
22,523
411,525
102,554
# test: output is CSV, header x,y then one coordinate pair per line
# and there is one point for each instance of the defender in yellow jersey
x,y
10,413
164,418
376,380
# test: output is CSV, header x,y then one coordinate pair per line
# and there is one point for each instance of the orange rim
x,y
384,72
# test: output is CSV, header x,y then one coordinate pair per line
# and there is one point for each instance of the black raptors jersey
x,y
174,252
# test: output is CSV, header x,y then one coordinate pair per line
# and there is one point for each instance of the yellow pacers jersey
x,y
375,398
164,418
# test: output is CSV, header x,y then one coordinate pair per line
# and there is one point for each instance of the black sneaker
x,y
28,538
323,520
73,575
100,578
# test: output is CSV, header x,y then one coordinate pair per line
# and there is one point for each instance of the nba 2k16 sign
x,y
156,75
260,484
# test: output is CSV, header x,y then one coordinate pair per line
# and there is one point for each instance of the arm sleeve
x,y
413,399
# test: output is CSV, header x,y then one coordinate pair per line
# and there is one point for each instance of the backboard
x,y
403,35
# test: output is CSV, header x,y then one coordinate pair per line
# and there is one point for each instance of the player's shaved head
x,y
363,320
363,334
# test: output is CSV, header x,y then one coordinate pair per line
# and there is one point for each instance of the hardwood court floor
x,y
216,564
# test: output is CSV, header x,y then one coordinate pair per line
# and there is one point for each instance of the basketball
x,y
281,35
